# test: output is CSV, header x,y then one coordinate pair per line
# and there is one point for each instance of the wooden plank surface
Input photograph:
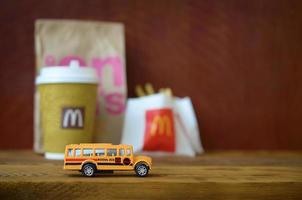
x,y
214,175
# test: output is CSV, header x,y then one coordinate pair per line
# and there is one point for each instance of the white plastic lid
x,y
54,156
67,74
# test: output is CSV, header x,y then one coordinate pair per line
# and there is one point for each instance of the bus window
x,y
122,152
111,152
87,152
70,152
77,152
128,152
99,152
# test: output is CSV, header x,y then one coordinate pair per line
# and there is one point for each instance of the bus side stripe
x,y
79,159
110,164
73,163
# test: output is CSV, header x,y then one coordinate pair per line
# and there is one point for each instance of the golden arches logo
x,y
159,131
161,125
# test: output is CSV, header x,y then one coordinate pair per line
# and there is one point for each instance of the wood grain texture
x,y
238,60
215,175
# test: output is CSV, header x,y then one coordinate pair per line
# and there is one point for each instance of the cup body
x,y
67,114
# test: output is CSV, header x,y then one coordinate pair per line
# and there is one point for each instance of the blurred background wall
x,y
239,61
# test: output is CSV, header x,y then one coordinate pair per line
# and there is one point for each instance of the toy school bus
x,y
92,158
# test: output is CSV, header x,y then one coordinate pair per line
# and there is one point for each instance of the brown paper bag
x,y
97,44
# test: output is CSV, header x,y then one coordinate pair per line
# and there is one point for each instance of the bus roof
x,y
105,145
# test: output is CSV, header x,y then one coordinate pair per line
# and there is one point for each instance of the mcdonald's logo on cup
x,y
72,117
159,131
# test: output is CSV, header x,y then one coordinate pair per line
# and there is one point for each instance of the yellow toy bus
x,y
92,158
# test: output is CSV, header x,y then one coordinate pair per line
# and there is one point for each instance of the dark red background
x,y
239,61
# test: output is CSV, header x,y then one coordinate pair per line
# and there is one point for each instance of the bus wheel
x,y
141,170
88,170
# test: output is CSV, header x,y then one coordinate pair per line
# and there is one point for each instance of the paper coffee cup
x,y
68,98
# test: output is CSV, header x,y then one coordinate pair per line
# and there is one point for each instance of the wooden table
x,y
213,175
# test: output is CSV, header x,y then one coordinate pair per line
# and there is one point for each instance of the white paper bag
x,y
162,125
